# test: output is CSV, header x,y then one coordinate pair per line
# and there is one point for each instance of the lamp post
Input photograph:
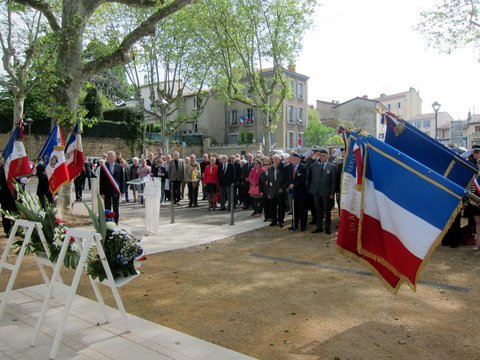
x,y
436,107
29,122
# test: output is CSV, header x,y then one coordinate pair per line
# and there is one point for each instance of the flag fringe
x,y
358,259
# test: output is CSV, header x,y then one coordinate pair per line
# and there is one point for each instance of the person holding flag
x,y
111,183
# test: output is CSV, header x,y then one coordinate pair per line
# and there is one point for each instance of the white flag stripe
x,y
415,234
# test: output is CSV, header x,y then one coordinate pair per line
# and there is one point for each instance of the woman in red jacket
x,y
210,178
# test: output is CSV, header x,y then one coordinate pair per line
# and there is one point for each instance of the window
x,y
398,105
300,139
290,139
417,124
234,117
389,106
232,138
300,115
477,129
290,114
300,90
250,120
426,123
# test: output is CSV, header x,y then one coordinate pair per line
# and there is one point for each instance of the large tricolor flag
x,y
53,156
351,198
74,152
406,209
428,151
15,157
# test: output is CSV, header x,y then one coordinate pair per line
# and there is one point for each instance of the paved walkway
x,y
84,337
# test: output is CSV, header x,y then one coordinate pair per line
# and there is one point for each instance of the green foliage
x,y
245,137
133,120
452,24
93,103
316,133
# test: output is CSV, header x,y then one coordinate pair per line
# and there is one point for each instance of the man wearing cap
x,y
296,177
321,180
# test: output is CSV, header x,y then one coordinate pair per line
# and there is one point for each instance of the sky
x,y
369,47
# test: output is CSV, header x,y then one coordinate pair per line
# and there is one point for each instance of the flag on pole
x,y
15,157
406,209
350,205
428,151
52,154
74,152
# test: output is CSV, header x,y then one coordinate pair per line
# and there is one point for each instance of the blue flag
x,y
428,151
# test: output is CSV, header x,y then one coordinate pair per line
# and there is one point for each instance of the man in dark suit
x,y
176,174
226,179
111,184
245,184
296,174
321,180
276,191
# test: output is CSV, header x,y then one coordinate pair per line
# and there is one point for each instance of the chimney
x,y
365,96
292,67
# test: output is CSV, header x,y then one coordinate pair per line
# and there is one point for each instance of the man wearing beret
x,y
321,180
296,177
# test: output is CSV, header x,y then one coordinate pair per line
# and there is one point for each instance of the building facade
x,y
405,105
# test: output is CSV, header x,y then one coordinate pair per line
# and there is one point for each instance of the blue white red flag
x,y
74,153
351,199
242,120
15,157
428,151
52,154
56,169
406,210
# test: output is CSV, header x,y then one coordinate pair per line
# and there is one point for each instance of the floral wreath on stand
x,y
122,249
54,229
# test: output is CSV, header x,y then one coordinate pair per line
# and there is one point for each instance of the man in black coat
x,y
245,184
296,177
226,179
43,189
276,184
111,184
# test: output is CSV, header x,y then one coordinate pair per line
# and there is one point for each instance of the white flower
x,y
111,225
74,247
58,242
42,214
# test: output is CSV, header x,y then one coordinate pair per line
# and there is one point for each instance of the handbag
x,y
254,190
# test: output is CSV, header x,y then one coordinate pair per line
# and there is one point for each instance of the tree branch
x,y
45,9
122,55
138,3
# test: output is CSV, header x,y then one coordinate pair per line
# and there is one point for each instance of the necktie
x,y
224,168
321,168
275,174
294,170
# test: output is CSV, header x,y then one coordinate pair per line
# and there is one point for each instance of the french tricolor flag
x,y
350,205
15,156
74,153
53,156
406,210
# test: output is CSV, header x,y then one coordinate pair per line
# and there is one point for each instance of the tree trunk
x,y
69,69
18,106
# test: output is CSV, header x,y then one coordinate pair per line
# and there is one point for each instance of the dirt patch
x,y
277,294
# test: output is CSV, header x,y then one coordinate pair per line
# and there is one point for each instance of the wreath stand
x,y
42,261
84,240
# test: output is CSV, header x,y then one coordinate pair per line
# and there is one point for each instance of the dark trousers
x,y
78,189
225,195
192,193
277,208
176,191
323,206
300,210
111,203
247,200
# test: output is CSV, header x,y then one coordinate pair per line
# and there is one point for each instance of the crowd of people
x,y
268,185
